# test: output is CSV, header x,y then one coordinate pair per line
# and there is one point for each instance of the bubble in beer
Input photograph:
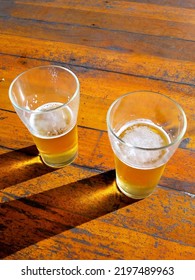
x,y
139,136
142,136
50,120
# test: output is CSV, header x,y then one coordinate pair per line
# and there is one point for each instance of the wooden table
x,y
76,212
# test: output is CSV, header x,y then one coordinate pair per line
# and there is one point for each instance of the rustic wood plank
x,y
129,63
130,17
77,212
125,223
144,9
107,248
107,39
172,3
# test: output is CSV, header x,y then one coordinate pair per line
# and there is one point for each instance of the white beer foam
x,y
142,137
51,122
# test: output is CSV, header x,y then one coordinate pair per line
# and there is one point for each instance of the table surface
x,y
76,212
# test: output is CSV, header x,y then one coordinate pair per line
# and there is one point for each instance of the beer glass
x,y
145,128
46,99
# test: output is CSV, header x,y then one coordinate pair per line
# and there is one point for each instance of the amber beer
x,y
46,99
138,171
145,128
55,134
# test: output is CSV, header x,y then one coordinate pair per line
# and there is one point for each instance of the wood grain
x,y
176,223
104,88
77,212
138,64
125,17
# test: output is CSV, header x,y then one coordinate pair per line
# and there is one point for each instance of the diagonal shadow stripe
x,y
18,166
27,221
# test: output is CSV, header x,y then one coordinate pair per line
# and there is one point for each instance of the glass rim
x,y
39,67
177,140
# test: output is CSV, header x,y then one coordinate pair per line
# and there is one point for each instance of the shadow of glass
x,y
29,220
21,165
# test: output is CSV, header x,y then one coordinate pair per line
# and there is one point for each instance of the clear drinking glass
x,y
46,99
145,128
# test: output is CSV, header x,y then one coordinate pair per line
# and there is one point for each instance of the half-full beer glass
x,y
145,128
46,99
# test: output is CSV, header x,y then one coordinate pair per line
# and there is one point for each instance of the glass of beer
x,y
46,99
145,128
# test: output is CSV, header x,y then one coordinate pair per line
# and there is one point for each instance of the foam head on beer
x,y
49,122
143,135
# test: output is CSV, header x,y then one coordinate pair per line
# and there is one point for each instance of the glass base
x,y
134,196
57,162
